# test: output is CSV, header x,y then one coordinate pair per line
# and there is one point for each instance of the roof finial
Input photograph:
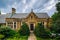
x,y
31,10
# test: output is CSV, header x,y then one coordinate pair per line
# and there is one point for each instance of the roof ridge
x,y
29,13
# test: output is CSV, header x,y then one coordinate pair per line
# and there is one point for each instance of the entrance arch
x,y
31,27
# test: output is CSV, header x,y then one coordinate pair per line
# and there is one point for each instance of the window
x,y
43,23
10,24
14,25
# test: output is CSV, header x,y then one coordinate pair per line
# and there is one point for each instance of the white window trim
x,y
16,25
13,25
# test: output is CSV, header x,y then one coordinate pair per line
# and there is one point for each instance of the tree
x,y
56,17
56,20
58,7
24,30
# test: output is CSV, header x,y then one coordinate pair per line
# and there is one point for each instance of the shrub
x,y
7,32
1,36
24,30
40,31
37,30
57,38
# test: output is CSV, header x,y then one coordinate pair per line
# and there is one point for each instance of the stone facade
x,y
31,20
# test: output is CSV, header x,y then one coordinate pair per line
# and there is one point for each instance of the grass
x,y
45,38
21,38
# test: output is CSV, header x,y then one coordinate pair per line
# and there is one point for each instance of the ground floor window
x,y
12,25
42,22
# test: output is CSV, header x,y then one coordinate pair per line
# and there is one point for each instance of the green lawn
x,y
21,38
44,38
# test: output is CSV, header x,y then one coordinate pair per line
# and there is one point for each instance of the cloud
x,y
30,5
24,1
23,6
49,6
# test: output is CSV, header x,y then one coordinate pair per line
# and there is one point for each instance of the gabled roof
x,y
21,15
42,15
24,15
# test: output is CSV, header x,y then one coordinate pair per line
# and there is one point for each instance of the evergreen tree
x,y
40,31
24,30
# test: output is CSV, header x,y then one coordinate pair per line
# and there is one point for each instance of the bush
x,y
7,32
16,38
1,36
37,30
57,38
55,27
24,30
40,31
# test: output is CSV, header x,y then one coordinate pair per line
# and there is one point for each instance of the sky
x,y
25,6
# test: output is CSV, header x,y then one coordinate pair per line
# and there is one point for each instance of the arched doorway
x,y
31,27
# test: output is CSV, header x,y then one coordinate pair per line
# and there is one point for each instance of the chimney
x,y
13,10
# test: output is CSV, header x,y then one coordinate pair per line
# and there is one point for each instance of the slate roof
x,y
21,15
2,18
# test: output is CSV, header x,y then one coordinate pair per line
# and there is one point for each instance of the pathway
x,y
32,36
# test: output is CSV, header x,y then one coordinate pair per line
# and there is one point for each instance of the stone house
x,y
14,20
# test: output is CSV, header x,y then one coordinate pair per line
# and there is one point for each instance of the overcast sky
x,y
25,6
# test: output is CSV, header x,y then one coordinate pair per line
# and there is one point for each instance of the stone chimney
x,y
13,10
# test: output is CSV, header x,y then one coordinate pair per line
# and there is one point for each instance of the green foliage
x,y
58,6
24,31
58,38
38,38
55,27
0,25
1,36
37,30
56,17
16,38
7,32
40,31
